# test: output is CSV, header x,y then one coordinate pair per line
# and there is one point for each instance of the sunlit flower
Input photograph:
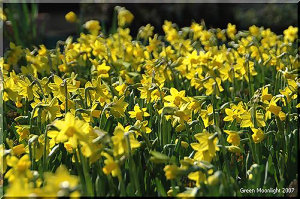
x,y
138,113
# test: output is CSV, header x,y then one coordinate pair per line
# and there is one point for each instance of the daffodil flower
x,y
121,146
206,148
138,113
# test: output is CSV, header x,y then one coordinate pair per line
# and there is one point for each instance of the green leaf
x,y
160,188
130,189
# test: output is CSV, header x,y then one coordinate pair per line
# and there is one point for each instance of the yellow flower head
x,y
118,107
72,131
146,31
19,167
231,30
172,171
23,132
60,179
71,17
213,86
138,113
290,34
92,26
207,146
258,135
18,150
233,137
197,176
121,144
265,96
111,166
176,97
124,16
254,30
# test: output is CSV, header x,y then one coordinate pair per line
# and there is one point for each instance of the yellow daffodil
x,y
71,17
231,30
275,109
23,132
138,113
58,87
121,89
18,150
111,166
72,132
93,27
19,168
197,176
254,30
120,142
206,148
172,171
265,96
141,127
176,97
258,135
207,116
233,137
124,16
235,112
213,86
290,34
118,107
146,31
61,179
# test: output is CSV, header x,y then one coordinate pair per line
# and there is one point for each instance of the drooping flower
x,y
233,137
258,135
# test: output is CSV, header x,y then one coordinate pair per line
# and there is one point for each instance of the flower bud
x,y
234,149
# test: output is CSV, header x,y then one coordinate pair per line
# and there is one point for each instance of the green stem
x,y
15,27
66,95
86,175
146,140
45,151
102,115
132,169
79,170
249,79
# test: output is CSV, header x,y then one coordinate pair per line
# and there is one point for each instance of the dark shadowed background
x,y
51,24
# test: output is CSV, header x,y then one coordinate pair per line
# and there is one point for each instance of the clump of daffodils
x,y
182,111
